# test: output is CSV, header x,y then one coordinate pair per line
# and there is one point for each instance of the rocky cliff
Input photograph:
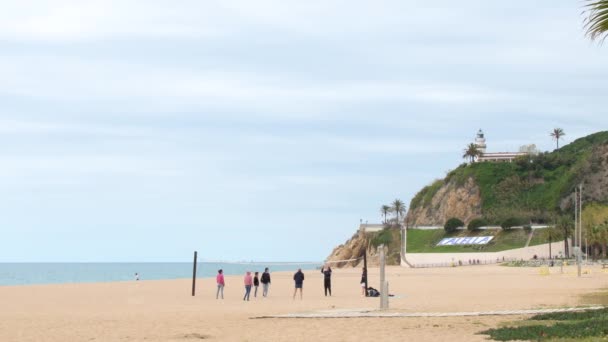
x,y
449,200
353,248
363,242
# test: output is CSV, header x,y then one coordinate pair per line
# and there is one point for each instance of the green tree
x,y
385,209
398,208
566,225
512,222
471,152
596,22
595,219
557,134
452,224
477,223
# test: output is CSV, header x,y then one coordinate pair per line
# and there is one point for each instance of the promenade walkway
x,y
359,313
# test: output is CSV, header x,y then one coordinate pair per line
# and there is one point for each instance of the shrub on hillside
x,y
512,222
452,224
477,223
383,237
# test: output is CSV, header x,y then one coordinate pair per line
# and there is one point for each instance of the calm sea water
x,y
54,273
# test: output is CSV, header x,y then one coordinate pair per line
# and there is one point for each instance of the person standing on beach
x,y
298,278
136,276
326,270
219,279
363,281
256,284
248,282
265,282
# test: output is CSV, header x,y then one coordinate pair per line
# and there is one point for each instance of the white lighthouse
x,y
480,141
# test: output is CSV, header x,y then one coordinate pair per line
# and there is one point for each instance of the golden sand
x,y
166,311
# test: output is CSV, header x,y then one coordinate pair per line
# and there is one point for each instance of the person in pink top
x,y
248,282
220,284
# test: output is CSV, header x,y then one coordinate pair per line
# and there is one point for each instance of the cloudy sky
x,y
264,130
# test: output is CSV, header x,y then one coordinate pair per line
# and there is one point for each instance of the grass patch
x,y
425,241
597,327
541,236
588,325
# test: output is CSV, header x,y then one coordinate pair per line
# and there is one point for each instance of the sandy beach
x,y
166,311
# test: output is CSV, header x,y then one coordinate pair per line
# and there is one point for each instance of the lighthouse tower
x,y
480,141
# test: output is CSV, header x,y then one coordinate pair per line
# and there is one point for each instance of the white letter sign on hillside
x,y
477,240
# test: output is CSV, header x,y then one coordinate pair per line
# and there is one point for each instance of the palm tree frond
x,y
596,22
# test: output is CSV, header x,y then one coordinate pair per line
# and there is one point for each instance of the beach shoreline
x,y
164,310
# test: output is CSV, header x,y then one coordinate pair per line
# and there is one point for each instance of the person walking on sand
x,y
248,282
298,278
219,279
326,270
363,281
265,282
256,284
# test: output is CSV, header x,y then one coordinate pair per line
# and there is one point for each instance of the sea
x,y
59,273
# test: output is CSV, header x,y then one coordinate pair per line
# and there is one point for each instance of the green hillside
x,y
532,187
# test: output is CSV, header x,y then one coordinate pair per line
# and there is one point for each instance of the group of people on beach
x,y
298,279
249,282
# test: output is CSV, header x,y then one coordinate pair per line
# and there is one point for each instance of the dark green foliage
x,y
477,223
452,224
565,316
390,237
573,325
596,21
512,222
383,237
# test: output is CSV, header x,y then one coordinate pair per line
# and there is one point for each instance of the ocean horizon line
x,y
31,273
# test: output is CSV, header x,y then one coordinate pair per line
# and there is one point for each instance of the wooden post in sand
x,y
383,287
194,276
365,268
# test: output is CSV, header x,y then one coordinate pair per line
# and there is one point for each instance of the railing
x,y
460,263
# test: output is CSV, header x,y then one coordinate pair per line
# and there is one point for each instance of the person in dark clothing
x,y
265,282
326,270
363,281
298,278
256,284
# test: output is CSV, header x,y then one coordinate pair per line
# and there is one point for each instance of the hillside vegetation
x,y
425,241
534,187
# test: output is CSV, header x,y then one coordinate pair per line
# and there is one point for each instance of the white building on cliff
x,y
480,141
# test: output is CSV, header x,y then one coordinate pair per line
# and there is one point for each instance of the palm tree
x,y
471,152
596,22
557,134
385,209
593,238
565,224
398,208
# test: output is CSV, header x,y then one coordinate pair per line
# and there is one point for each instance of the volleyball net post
x,y
365,269
194,275
383,283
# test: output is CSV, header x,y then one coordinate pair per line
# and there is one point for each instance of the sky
x,y
264,130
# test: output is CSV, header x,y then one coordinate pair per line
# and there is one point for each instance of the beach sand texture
x,y
166,311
